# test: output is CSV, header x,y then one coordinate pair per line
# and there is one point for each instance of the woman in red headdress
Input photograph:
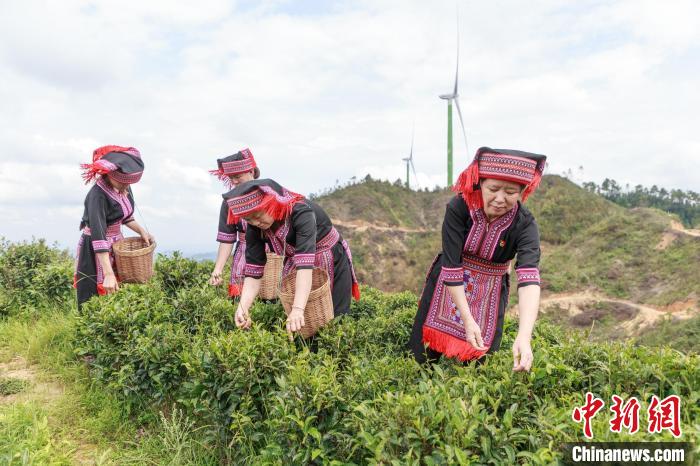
x,y
232,170
462,307
108,205
299,230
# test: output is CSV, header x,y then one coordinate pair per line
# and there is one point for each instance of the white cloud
x,y
330,92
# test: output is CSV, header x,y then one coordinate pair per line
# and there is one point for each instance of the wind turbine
x,y
449,98
409,161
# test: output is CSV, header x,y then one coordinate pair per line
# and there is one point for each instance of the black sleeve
x,y
304,226
255,257
527,262
96,205
130,218
454,232
227,232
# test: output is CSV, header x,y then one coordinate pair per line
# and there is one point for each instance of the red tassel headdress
x,y
102,166
510,165
257,195
239,162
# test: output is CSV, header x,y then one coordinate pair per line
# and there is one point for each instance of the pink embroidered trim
x,y
226,237
483,238
127,178
121,199
100,245
528,275
453,274
519,169
302,260
238,166
114,229
255,271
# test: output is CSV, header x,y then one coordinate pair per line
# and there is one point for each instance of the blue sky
x,y
324,91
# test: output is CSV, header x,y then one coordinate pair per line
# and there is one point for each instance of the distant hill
x,y
589,243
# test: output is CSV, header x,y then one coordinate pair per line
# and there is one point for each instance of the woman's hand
x,y
147,237
243,318
295,320
522,354
215,278
473,332
110,283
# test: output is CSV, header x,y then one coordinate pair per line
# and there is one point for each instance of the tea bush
x,y
353,396
359,398
174,272
34,275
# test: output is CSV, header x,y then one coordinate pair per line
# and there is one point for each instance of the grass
x,y
82,421
12,386
680,335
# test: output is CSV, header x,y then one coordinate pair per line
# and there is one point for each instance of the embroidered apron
x,y
443,329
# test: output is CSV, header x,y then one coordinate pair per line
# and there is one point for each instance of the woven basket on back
x,y
319,307
134,259
271,277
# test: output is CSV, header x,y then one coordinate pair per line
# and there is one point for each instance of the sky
x,y
324,91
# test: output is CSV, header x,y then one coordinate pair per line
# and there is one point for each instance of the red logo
x,y
626,416
662,414
665,414
586,412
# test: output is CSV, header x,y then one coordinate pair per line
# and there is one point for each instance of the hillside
x,y
589,243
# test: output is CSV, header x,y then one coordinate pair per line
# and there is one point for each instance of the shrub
x,y
175,272
34,275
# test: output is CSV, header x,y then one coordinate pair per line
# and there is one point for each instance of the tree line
x,y
685,204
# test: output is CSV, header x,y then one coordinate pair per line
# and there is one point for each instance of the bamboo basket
x,y
271,277
134,259
319,307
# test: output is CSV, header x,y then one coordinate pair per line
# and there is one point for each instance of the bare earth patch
x,y
678,226
361,225
632,317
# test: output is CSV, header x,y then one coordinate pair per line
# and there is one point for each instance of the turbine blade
x,y
457,67
413,133
461,122
415,175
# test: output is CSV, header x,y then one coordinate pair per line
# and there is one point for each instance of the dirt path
x,y
678,226
36,389
361,225
47,393
675,230
575,303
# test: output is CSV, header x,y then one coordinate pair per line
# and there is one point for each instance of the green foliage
x,y
175,272
33,275
685,204
358,397
11,386
682,335
25,437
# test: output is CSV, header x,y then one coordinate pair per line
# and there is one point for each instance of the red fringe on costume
x,y
449,345
532,186
465,185
91,170
356,291
223,177
234,290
